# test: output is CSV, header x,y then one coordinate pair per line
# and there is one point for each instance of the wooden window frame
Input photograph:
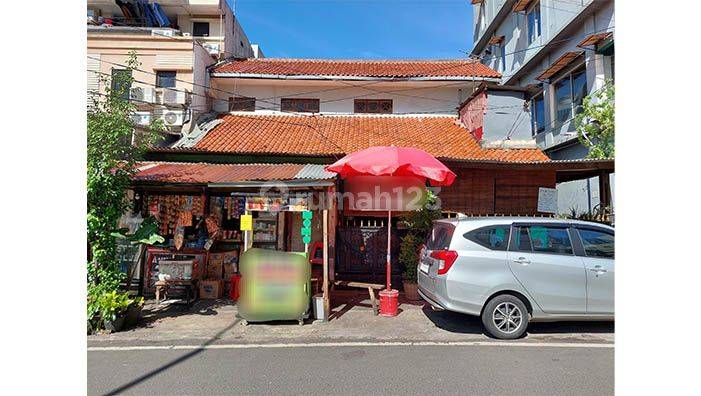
x,y
309,105
159,76
242,103
357,103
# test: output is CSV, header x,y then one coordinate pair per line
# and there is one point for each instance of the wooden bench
x,y
361,285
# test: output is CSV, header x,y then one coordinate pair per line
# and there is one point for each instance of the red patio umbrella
x,y
393,161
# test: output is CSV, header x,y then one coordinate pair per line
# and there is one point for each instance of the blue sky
x,y
363,29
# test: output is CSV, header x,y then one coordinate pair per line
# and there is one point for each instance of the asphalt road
x,y
405,369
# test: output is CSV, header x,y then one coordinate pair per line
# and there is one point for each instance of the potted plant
x,y
419,224
133,313
112,307
409,257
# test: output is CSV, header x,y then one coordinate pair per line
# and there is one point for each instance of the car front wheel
x,y
505,317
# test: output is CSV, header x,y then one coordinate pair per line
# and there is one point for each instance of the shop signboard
x,y
306,230
547,200
246,222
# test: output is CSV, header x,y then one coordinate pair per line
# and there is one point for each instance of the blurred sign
x,y
246,222
381,193
547,200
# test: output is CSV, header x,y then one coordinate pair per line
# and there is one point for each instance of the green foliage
x,y
147,233
112,304
112,148
599,214
596,124
420,223
409,256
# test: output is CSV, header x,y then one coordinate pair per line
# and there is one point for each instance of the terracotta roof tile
x,y
204,173
360,68
337,135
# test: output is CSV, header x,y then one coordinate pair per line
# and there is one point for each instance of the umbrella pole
x,y
389,247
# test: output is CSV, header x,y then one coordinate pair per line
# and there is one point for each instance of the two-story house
x,y
175,42
551,54
271,115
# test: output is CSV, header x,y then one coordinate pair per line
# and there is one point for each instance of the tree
x,y
596,123
113,148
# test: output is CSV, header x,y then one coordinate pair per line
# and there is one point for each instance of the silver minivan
x,y
512,270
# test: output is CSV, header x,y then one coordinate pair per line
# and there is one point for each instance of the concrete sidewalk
x,y
352,319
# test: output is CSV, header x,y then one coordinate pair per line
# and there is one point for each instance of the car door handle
x,y
598,269
522,261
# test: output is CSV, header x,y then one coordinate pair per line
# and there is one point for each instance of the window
x,y
537,114
200,29
597,243
165,79
569,95
533,16
544,239
500,54
381,106
300,105
242,103
440,236
491,237
121,83
523,241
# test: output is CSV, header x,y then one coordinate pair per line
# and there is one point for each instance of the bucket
x,y
389,302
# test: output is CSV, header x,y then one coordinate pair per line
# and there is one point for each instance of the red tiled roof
x,y
337,135
202,173
360,68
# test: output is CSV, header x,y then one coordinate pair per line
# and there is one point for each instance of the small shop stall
x,y
211,213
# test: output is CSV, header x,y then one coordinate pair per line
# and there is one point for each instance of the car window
x,y
523,241
440,236
597,243
492,237
546,239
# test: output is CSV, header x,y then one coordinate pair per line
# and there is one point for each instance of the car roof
x,y
474,222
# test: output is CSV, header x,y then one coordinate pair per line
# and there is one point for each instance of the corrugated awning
x,y
496,40
595,39
521,5
186,173
559,64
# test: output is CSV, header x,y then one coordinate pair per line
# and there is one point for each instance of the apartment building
x,y
175,42
551,54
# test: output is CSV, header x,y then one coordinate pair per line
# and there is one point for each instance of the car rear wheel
x,y
505,317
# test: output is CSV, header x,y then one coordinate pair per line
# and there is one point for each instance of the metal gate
x,y
361,254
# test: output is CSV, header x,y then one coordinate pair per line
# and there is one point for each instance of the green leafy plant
x,y
596,124
419,223
409,256
146,234
113,304
599,214
113,147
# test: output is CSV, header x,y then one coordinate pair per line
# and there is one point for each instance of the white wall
x,y
339,98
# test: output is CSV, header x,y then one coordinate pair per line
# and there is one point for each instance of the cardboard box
x,y
210,289
229,270
214,269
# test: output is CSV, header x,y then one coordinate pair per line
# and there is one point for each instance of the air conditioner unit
x,y
163,32
173,97
142,94
212,48
141,118
172,118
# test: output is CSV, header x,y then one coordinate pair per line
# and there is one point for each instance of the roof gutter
x,y
274,184
351,78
